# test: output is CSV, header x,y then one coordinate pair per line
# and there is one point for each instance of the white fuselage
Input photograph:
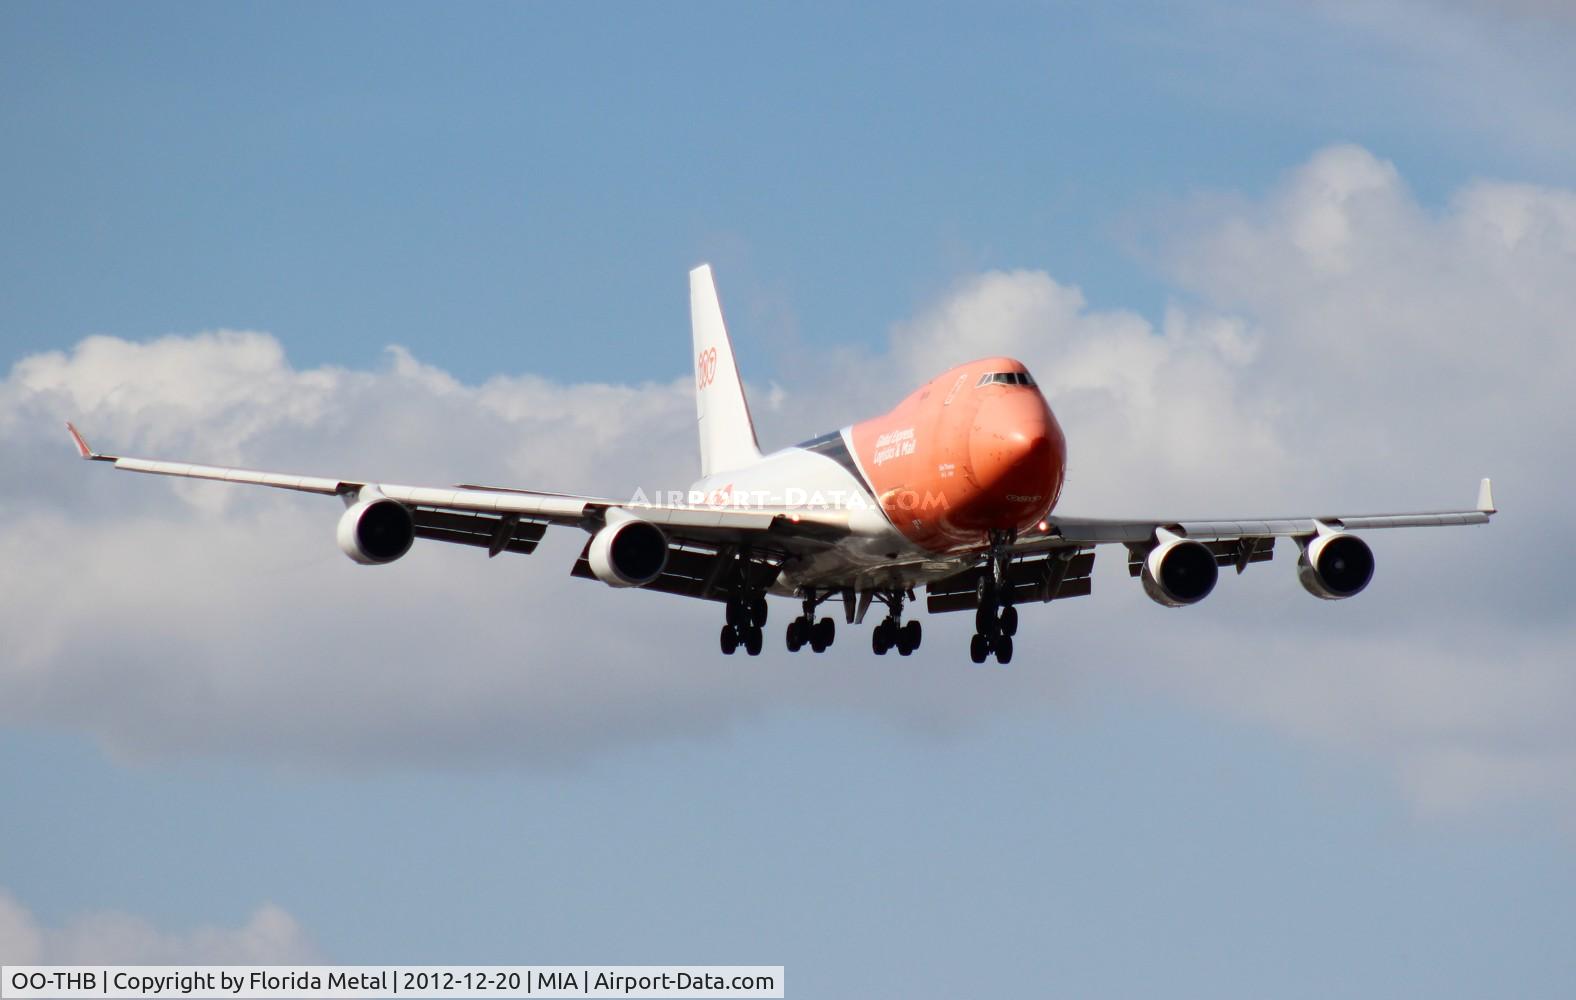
x,y
875,554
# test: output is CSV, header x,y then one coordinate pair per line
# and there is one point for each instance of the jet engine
x,y
1335,565
626,551
1179,571
376,530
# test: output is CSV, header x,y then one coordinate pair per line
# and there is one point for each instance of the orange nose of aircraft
x,y
1016,456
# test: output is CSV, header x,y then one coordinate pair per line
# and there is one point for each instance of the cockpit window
x,y
1005,378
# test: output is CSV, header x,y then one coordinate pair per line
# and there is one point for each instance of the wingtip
x,y
82,446
1485,501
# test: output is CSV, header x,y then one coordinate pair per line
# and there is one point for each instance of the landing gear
x,y
806,631
744,620
891,633
995,619
982,646
822,634
748,636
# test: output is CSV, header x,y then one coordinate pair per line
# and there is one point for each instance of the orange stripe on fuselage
x,y
956,460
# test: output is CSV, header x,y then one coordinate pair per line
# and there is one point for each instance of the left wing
x,y
1097,531
1057,560
699,539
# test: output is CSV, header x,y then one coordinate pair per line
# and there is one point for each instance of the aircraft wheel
x,y
913,634
753,640
795,635
878,640
730,640
758,611
1004,650
904,647
825,632
1009,620
979,648
735,614
985,622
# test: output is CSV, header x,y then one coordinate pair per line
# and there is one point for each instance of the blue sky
x,y
432,763
529,178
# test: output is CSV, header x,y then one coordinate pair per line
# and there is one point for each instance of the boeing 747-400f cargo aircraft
x,y
954,489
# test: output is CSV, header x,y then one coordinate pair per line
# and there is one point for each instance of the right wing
x,y
711,550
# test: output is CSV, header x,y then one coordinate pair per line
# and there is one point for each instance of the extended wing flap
x,y
1038,576
696,569
496,533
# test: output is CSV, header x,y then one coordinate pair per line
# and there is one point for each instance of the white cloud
x,y
1340,347
1153,395
1407,351
269,936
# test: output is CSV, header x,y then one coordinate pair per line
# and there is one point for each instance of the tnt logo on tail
x,y
706,368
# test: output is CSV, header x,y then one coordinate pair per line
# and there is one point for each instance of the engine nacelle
x,y
626,551
1335,565
1179,571
376,530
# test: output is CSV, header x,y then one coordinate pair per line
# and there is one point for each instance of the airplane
x,y
953,489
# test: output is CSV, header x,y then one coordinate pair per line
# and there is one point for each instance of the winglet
x,y
82,446
1485,501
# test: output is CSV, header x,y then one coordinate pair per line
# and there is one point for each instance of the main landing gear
x,y
891,632
806,631
996,620
745,618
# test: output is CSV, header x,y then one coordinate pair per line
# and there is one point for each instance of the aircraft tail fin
x,y
727,434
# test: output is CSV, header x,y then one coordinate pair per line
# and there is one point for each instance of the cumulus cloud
x,y
1335,346
269,936
1114,379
